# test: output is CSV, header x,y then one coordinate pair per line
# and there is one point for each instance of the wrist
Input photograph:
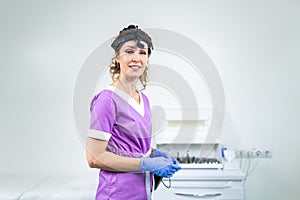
x,y
142,166
151,154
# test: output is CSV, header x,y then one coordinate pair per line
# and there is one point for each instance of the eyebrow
x,y
135,47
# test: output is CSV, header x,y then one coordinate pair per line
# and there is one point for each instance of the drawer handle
x,y
204,187
198,195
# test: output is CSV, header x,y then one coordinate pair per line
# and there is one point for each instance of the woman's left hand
x,y
158,153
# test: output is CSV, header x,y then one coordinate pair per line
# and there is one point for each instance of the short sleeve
x,y
102,117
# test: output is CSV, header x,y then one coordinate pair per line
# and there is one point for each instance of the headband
x,y
138,36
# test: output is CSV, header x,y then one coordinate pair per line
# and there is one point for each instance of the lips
x,y
135,66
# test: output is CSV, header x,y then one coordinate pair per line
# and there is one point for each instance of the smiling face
x,y
132,59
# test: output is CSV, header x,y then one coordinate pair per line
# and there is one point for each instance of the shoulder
x,y
143,95
102,98
145,98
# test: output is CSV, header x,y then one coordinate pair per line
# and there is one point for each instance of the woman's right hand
x,y
160,166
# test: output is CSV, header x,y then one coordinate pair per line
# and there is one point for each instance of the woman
x,y
119,136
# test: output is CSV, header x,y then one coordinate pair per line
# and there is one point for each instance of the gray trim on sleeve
x,y
100,135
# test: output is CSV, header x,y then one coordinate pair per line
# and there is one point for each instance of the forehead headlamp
x,y
137,35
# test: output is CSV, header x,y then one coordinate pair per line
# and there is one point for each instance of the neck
x,y
127,85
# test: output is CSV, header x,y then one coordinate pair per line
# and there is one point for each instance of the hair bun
x,y
131,26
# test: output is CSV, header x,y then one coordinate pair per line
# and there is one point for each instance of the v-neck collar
x,y
139,107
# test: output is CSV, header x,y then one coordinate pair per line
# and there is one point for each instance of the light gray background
x,y
254,45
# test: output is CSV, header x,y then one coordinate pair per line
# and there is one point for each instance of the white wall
x,y
254,45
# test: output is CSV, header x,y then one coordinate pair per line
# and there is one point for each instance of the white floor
x,y
81,187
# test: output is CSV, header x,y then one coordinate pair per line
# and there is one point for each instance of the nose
x,y
136,57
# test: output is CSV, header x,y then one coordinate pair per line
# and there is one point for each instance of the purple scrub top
x,y
126,125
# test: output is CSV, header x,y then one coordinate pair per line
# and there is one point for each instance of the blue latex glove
x,y
160,166
158,153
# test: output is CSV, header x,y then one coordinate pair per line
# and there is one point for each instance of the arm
x,y
103,116
98,157
102,121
